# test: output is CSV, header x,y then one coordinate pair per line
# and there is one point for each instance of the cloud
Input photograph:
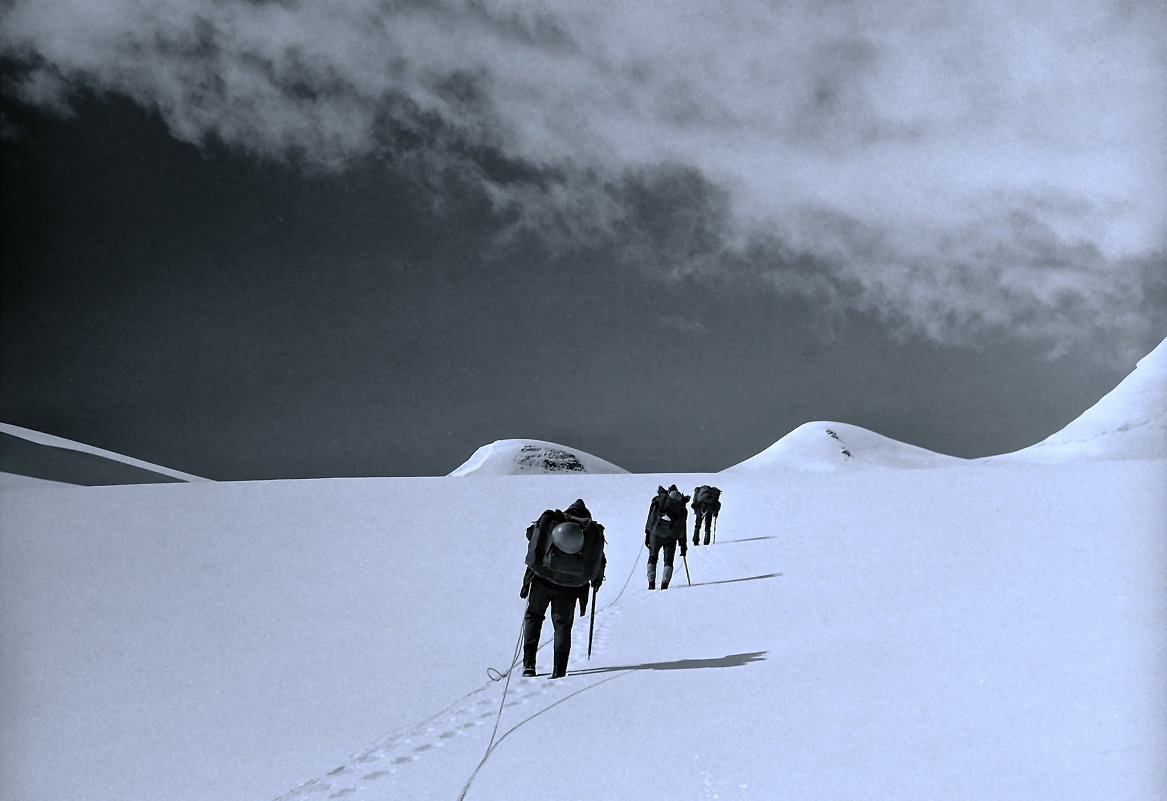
x,y
957,167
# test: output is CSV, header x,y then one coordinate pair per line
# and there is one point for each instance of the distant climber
x,y
706,506
565,557
664,530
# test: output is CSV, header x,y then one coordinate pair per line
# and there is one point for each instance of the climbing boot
x,y
560,669
529,652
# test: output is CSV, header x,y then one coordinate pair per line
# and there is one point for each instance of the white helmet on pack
x,y
568,537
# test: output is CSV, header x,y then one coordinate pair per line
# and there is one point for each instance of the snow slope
x,y
1129,422
9,481
101,463
822,446
976,631
513,457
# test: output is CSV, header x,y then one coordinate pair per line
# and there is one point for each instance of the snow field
x,y
988,630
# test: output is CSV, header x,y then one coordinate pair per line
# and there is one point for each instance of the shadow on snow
x,y
746,539
729,660
725,581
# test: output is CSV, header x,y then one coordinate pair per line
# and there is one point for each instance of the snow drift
x,y
1129,422
514,457
824,446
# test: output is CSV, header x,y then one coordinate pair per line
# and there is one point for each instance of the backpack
x,y
672,505
669,513
706,494
566,569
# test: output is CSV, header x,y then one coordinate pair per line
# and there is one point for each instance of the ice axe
x,y
592,625
685,559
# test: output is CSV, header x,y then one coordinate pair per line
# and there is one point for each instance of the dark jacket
x,y
582,570
672,526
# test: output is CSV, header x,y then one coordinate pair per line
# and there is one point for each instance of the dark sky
x,y
233,247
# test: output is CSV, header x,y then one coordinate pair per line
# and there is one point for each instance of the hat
x,y
578,509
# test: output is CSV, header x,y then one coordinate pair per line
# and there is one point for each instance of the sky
x,y
280,239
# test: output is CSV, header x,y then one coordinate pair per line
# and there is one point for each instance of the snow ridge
x,y
512,457
821,446
1129,422
70,445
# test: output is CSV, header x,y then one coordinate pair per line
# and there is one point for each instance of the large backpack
x,y
670,514
566,569
706,494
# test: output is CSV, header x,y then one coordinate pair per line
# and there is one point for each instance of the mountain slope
x,y
1129,422
514,457
25,452
825,446
19,481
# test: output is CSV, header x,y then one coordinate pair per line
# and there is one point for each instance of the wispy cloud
x,y
956,167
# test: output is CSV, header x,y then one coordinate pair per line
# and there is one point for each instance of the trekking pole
x,y
592,625
685,559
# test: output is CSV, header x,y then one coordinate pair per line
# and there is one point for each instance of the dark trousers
x,y
707,516
655,546
562,601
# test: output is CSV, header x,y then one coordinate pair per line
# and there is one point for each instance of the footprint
x,y
407,745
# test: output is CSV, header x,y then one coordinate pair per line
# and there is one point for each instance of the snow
x,y
824,445
1130,422
11,481
979,629
513,457
52,441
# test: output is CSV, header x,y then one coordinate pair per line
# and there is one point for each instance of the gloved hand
x,y
684,552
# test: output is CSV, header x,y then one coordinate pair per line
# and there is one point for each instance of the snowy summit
x,y
823,446
514,457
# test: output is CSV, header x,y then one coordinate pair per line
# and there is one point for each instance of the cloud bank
x,y
955,168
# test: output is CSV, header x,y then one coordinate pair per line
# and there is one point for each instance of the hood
x,y
578,510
